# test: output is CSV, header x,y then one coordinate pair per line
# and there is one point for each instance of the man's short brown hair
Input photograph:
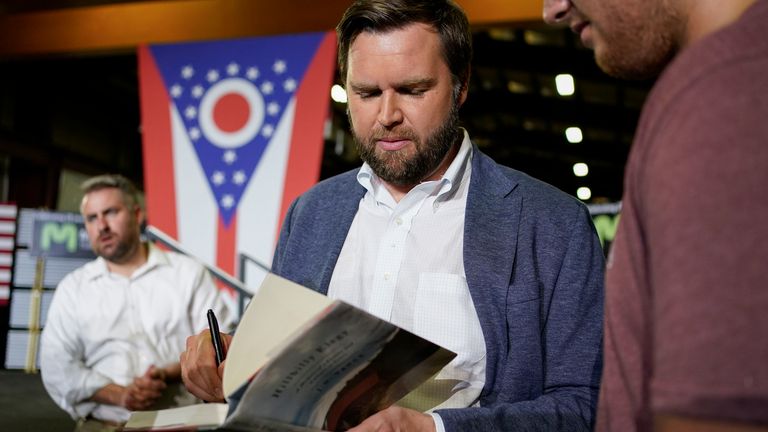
x,y
129,191
446,17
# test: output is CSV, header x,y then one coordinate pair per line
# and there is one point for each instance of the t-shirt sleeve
x,y
704,185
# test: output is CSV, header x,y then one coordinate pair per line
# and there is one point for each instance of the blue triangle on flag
x,y
231,96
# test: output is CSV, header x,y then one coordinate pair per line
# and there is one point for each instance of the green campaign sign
x,y
57,234
53,233
606,226
605,217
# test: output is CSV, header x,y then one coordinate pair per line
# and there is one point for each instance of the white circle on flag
x,y
245,133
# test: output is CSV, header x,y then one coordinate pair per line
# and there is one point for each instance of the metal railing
x,y
243,293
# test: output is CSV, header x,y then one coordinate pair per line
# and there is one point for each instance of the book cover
x,y
301,361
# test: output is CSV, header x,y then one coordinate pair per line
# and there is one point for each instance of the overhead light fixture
x,y
565,84
517,87
338,94
584,193
573,135
535,38
580,169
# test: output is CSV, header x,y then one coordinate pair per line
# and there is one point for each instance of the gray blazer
x,y
534,267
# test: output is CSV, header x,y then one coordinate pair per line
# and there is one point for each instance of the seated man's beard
x,y
122,251
410,166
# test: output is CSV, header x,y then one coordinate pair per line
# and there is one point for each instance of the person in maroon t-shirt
x,y
686,330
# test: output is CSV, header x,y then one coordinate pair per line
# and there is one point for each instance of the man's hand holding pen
x,y
201,375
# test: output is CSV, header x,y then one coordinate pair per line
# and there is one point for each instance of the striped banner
x,y
8,213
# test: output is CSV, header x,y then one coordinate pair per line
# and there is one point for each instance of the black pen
x,y
213,326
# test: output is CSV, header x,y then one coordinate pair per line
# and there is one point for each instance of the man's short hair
x,y
445,16
105,181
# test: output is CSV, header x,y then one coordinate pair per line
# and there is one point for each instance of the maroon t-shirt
x,y
686,329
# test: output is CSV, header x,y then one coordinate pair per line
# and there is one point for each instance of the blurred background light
x,y
584,193
565,84
573,135
580,169
338,94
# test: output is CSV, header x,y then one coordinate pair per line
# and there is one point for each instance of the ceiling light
x,y
584,193
580,169
517,87
565,85
338,94
573,135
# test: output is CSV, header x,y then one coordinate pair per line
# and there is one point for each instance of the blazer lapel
x,y
491,223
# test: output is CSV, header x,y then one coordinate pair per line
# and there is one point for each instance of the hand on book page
x,y
396,418
301,361
344,366
202,377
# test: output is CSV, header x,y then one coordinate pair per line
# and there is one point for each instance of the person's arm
x,y
672,423
140,394
704,223
170,373
62,356
72,385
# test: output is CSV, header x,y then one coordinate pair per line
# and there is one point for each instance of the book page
x,y
210,415
344,366
279,308
301,361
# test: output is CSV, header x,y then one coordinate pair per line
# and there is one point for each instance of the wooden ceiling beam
x,y
123,26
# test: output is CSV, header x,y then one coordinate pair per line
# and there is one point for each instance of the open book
x,y
302,361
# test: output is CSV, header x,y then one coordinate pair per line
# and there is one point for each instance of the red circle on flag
x,y
231,112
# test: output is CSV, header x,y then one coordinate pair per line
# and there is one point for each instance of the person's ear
x,y
463,94
138,212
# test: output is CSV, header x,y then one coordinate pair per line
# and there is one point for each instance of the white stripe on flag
x,y
8,211
259,210
196,211
7,227
6,259
5,293
5,275
6,243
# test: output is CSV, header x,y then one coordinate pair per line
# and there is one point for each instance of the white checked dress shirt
x,y
402,261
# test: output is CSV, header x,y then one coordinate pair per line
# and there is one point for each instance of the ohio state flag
x,y
232,133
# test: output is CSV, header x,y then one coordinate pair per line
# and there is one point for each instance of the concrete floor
x,y
26,407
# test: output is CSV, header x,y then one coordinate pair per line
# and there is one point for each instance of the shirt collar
x,y
450,180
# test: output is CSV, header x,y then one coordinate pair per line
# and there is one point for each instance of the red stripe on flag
x,y
306,152
157,146
225,247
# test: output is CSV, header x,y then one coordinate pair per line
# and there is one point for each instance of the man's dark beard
x,y
406,170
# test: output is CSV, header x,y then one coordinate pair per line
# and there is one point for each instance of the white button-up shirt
x,y
105,328
402,261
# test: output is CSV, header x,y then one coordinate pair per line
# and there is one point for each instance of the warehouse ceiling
x,y
515,113
71,106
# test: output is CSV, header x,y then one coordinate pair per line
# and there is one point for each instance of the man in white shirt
x,y
434,236
117,325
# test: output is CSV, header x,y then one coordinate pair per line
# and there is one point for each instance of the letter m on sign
x,y
54,232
